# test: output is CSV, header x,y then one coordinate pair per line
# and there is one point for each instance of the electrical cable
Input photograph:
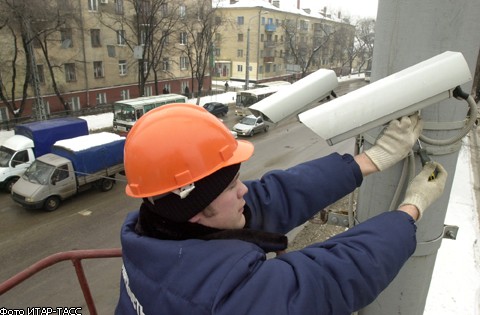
x,y
471,119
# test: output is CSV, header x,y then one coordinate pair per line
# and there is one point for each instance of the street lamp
x,y
247,58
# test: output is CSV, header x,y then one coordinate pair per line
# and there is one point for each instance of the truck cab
x,y
16,155
45,183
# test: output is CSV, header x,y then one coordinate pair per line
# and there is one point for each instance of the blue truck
x,y
32,140
73,165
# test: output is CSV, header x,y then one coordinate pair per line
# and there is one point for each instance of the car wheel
x,y
106,184
10,183
266,128
251,133
51,203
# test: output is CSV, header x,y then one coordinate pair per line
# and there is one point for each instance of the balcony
x,y
268,59
270,27
269,44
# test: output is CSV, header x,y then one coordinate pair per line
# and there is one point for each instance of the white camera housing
x,y
397,95
293,98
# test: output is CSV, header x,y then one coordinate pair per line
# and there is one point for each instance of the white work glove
x,y
423,190
396,141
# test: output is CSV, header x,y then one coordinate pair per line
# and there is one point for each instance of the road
x,y
93,220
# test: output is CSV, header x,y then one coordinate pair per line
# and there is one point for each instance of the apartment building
x,y
98,52
262,42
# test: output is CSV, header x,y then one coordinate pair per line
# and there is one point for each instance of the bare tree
x,y
147,32
364,40
28,25
199,24
302,48
343,50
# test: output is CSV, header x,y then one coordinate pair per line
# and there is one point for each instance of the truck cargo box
x,y
92,153
46,132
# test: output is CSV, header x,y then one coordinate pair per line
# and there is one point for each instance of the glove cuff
x,y
380,157
417,201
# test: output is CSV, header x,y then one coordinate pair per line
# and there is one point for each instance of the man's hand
x,y
423,190
396,141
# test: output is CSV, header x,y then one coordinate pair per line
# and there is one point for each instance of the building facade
x,y
261,42
87,53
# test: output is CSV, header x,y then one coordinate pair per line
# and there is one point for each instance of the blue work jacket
x,y
233,277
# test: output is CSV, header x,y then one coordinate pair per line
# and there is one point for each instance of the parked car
x,y
250,125
216,108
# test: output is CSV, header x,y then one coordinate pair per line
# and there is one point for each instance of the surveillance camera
x,y
293,98
397,95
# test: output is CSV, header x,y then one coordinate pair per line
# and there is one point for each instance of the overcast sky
x,y
364,8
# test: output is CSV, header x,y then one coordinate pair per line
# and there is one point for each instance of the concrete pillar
x,y
408,32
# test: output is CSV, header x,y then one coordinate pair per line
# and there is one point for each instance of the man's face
x,y
226,211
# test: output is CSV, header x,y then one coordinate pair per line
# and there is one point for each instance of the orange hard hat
x,y
175,145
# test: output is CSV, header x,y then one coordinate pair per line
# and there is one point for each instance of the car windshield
x,y
5,156
248,121
209,106
39,172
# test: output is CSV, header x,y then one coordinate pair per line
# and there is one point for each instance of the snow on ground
x,y
455,286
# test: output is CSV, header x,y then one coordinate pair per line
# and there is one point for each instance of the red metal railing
x,y
76,256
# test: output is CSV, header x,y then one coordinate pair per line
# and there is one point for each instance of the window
x,y
60,173
66,37
92,5
95,37
165,38
20,158
122,67
121,37
165,64
111,51
143,35
218,37
119,6
3,114
240,20
167,88
47,107
164,9
98,69
270,21
147,91
183,38
145,8
240,53
101,98
240,38
40,74
183,63
184,87
263,20
145,67
70,75
75,103
201,14
239,68
217,52
182,11
125,94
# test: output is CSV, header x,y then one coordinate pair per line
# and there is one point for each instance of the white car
x,y
250,125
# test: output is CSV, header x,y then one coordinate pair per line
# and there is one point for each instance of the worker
x,y
198,244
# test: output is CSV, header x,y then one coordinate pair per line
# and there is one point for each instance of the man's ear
x,y
196,218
